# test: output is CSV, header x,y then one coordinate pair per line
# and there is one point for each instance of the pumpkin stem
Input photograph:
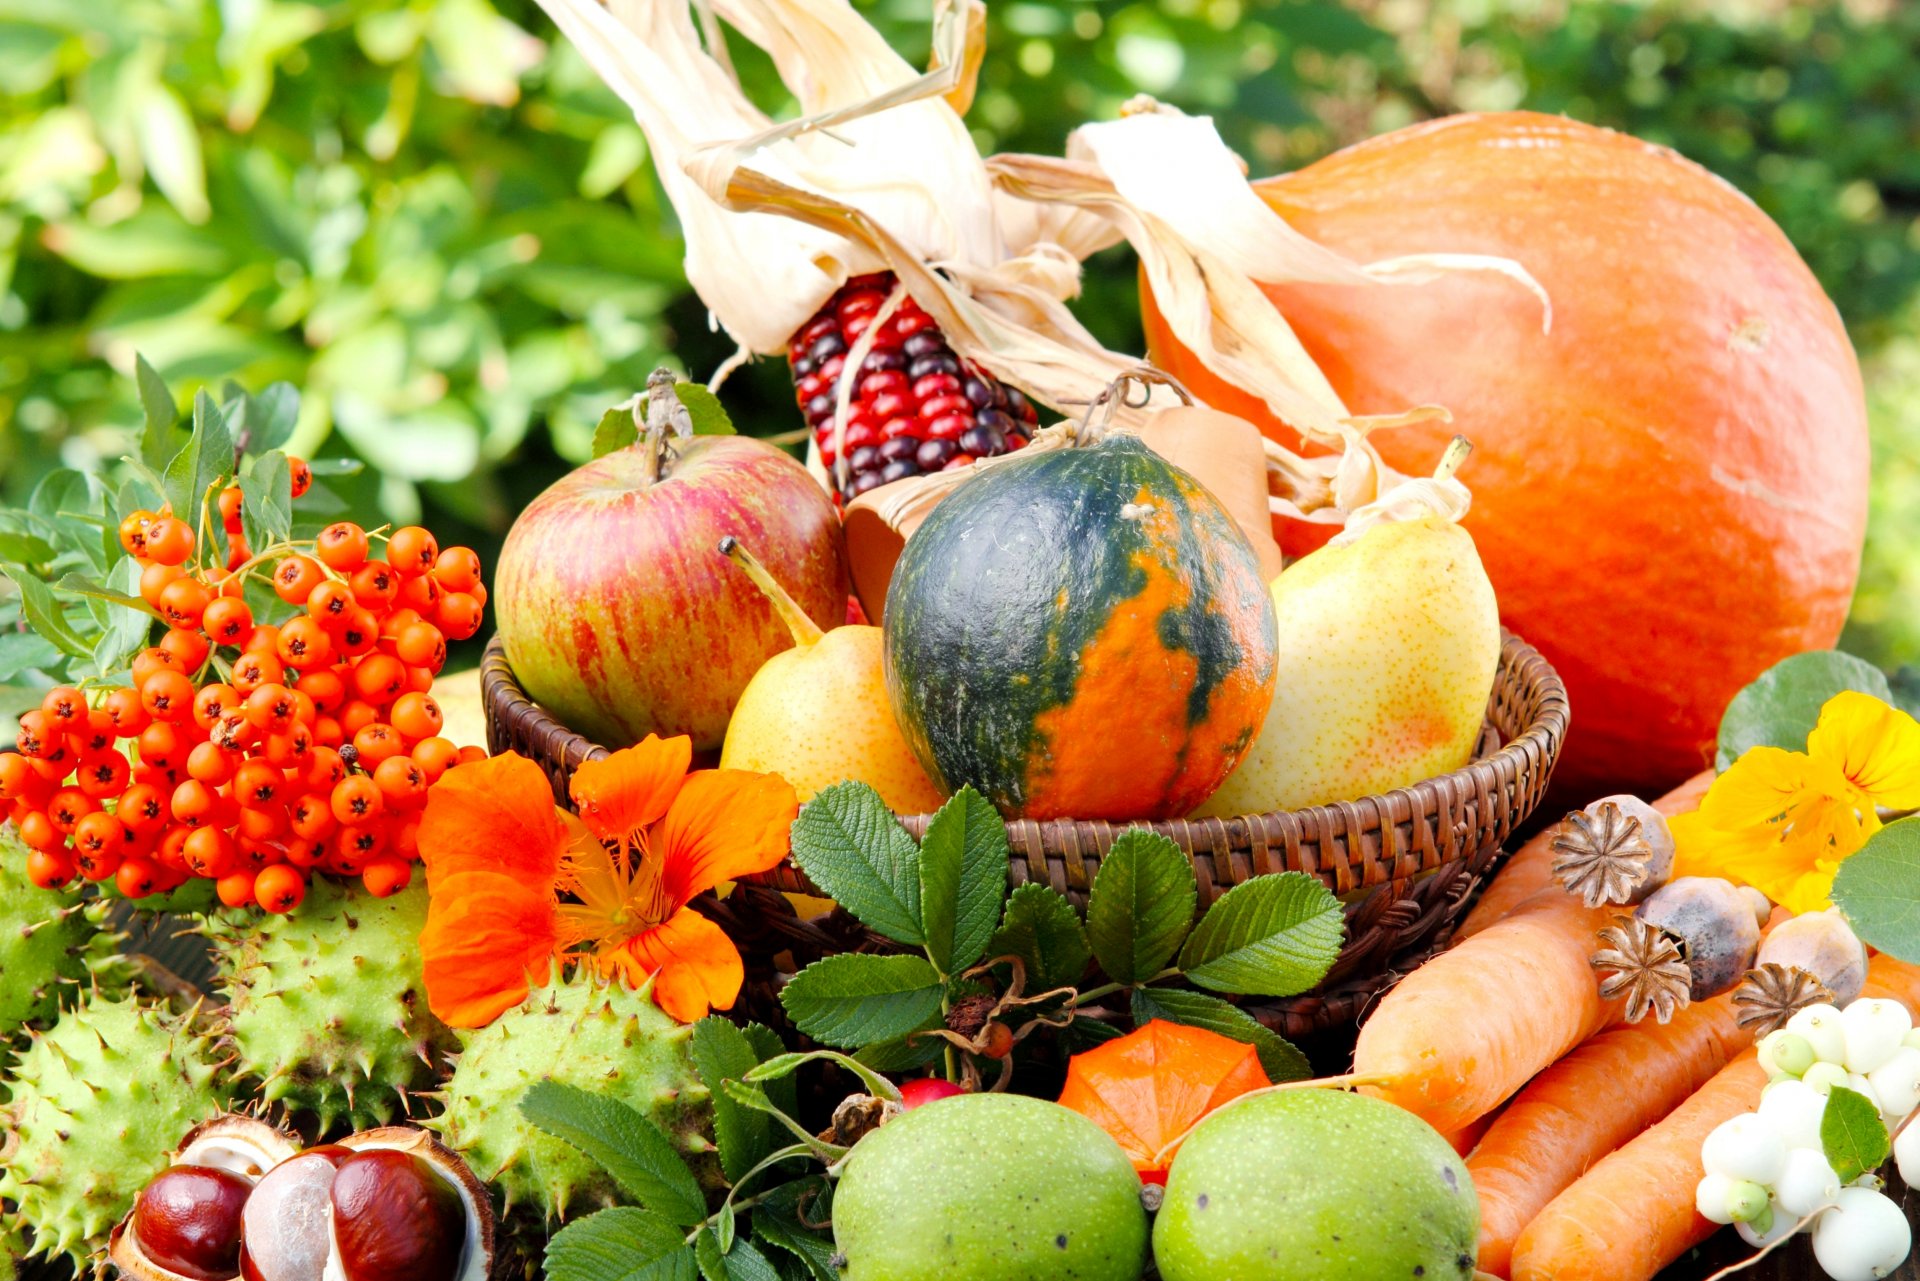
x,y
805,630
1138,381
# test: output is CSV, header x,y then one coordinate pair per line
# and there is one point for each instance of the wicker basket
x,y
1404,863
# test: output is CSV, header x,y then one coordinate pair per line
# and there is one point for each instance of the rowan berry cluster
x,y
254,754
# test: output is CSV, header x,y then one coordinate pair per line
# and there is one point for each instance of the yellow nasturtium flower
x,y
1783,821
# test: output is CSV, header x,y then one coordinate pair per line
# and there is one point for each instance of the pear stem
x,y
1457,450
805,631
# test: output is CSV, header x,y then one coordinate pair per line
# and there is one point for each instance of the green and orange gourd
x,y
1081,632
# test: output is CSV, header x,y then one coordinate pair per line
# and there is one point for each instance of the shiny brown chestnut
x,y
285,1227
396,1219
188,1221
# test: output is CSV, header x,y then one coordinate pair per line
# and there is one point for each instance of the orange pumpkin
x,y
1670,488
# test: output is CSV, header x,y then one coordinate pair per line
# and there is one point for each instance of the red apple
x,y
618,611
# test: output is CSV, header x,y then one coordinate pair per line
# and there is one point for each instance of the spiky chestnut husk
x,y
95,1105
50,943
326,1004
584,1032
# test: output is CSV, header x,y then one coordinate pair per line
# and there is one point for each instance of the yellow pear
x,y
1389,640
818,714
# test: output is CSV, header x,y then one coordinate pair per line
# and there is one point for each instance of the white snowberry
x,y
1746,1147
1805,1185
1873,1029
1896,1083
1823,1076
1863,1237
1820,1024
1906,1155
1712,1197
1795,1109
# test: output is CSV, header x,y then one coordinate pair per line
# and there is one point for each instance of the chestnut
x,y
285,1223
188,1221
395,1218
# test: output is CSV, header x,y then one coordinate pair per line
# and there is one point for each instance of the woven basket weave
x,y
1404,862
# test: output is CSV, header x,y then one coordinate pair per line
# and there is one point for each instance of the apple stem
x,y
805,631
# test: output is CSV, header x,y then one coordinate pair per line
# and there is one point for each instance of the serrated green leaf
x,y
1271,936
724,1226
628,1146
25,549
43,613
1781,707
616,430
721,1051
81,585
1878,890
622,1244
746,1263
1042,929
849,844
205,458
708,1253
963,878
1278,1057
776,1222
159,439
1141,905
901,1055
704,409
1852,1135
854,999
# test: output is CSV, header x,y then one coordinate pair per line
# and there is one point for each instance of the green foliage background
x,y
431,216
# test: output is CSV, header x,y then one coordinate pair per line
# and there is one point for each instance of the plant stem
x,y
1108,989
805,631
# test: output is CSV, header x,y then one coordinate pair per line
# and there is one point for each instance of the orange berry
x,y
230,503
96,837
304,854
386,876
327,732
153,659
341,546
324,771
234,733
302,475
137,877
270,707
374,585
171,853
412,551
103,773
14,773
379,679
123,709
167,697
192,803
228,622
238,553
40,735
265,640
261,823
303,709
331,603
258,783
421,645
304,645
253,669
359,633
186,645
143,809
280,888
133,533
357,799
290,750
401,781
210,764
421,594
377,742
419,680
295,578
435,756
404,840
183,601
417,716
38,831
356,716
352,848
49,870
209,852
156,578
68,806
95,734
169,541
457,570
66,705
311,817
459,615
470,754
162,747
236,888
325,687
214,703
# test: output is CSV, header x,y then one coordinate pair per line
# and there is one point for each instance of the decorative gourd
x,y
1670,487
1080,632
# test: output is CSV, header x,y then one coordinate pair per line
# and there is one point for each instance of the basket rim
x,y
1540,739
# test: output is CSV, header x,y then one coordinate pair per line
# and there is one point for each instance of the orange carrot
x,y
1465,1139
1462,1033
1530,870
1632,1214
1893,979
1586,1105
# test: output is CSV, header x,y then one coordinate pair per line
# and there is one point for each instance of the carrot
x,y
1893,979
1462,1033
1465,1139
1530,870
1583,1107
1632,1214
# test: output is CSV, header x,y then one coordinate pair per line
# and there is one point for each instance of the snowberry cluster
x,y
254,754
1767,1171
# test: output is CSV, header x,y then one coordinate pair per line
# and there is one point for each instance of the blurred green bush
x,y
431,216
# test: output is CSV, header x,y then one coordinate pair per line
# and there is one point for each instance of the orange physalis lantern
x,y
1147,1088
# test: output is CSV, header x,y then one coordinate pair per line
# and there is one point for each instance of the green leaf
x,y
268,419
1878,890
783,1093
1271,936
900,1055
721,1051
1781,707
81,585
25,549
266,499
43,613
1042,929
1852,1134
711,1258
776,1222
746,1263
724,1226
623,1244
1141,905
205,458
641,1159
704,408
159,441
1278,1057
27,652
963,878
848,843
616,430
855,999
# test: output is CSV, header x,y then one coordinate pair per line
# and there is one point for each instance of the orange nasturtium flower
x,y
1149,1087
515,884
1784,821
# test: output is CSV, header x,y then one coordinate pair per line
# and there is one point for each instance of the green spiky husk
x,y
50,942
582,1032
95,1104
327,1007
